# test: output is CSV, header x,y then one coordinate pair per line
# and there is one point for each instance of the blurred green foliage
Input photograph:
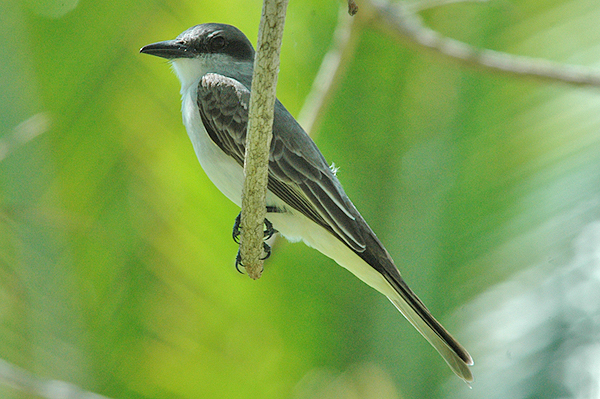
x,y
116,261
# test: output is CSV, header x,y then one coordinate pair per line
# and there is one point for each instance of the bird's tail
x,y
419,316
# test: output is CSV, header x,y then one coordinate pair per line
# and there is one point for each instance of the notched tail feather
x,y
417,314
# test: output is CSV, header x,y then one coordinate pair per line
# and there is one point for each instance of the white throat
x,y
190,70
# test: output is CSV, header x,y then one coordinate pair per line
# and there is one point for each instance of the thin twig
x,y
330,72
410,26
258,141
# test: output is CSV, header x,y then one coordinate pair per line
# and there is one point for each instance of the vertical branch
x,y
258,141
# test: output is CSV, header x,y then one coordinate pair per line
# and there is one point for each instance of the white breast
x,y
220,168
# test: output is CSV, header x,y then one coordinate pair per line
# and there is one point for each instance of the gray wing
x,y
298,173
300,176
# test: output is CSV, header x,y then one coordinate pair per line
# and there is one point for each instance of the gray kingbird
x,y
305,200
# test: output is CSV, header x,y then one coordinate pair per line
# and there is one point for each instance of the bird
x,y
305,200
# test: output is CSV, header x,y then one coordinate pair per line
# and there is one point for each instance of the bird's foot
x,y
269,230
267,234
238,257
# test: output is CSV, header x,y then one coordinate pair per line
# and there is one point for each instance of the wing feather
x,y
300,176
298,173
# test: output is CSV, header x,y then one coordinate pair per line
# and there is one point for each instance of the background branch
x,y
330,72
409,25
258,142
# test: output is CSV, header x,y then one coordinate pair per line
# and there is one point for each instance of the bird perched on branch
x,y
305,200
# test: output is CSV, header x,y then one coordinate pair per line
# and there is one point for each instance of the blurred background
x,y
116,261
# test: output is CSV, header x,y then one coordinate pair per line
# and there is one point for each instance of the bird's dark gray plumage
x,y
298,173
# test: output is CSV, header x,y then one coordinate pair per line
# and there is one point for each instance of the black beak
x,y
170,49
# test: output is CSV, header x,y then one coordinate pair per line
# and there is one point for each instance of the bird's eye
x,y
217,43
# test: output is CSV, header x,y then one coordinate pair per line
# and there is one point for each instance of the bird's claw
x,y
238,262
238,257
267,251
269,230
236,229
267,234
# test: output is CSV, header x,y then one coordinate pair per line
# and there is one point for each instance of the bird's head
x,y
206,48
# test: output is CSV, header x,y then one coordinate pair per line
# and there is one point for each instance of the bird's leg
x,y
267,234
